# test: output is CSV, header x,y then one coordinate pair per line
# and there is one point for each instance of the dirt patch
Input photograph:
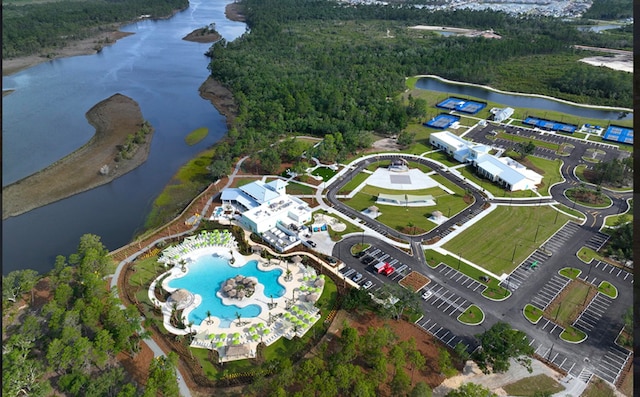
x,y
114,119
414,281
386,145
622,62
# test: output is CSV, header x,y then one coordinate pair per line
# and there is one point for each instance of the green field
x,y
412,218
534,385
354,183
506,233
325,172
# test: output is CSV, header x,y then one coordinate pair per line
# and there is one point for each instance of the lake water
x,y
44,120
428,83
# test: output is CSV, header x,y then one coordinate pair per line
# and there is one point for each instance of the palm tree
x,y
209,317
238,317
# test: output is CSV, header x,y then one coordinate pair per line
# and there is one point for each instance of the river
x,y
44,120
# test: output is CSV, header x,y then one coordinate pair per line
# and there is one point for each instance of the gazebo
x,y
181,297
373,210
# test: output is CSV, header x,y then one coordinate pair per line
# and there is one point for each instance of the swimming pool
x,y
205,276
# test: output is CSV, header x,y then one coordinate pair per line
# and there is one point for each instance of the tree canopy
x,y
499,344
471,390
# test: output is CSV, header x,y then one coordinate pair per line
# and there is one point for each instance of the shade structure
x,y
296,259
240,294
239,277
236,335
236,341
223,335
267,331
232,293
219,344
255,337
211,336
252,329
260,325
318,283
227,288
312,297
230,282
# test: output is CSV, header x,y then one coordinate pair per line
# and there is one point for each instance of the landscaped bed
x,y
532,313
570,272
534,385
473,315
608,289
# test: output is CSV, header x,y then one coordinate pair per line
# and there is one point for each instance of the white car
x,y
367,285
357,277
427,295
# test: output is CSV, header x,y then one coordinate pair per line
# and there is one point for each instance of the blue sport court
x,y
441,121
462,105
616,133
550,125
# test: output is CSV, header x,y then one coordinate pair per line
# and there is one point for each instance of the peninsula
x,y
117,121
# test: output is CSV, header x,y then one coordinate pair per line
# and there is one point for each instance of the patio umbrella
x,y
255,337
266,331
296,259
236,341
211,336
219,344
239,277
318,283
231,282
252,329
260,325
227,288
240,294
236,335
233,293
223,335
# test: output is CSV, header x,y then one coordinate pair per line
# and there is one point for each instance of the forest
x,y
69,343
31,28
317,68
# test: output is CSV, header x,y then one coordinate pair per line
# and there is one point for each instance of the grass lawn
x,y
442,157
337,236
598,388
505,237
294,188
493,289
608,289
325,172
357,248
399,217
354,183
579,215
532,313
570,272
532,385
587,254
472,316
550,172
522,139
613,220
196,136
571,334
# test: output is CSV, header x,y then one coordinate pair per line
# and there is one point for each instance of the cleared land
x,y
506,233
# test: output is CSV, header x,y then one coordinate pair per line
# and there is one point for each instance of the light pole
x,y
459,255
513,255
555,220
536,237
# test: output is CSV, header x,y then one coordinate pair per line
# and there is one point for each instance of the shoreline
x,y
114,119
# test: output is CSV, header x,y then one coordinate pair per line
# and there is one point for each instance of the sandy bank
x,y
114,119
88,46
221,98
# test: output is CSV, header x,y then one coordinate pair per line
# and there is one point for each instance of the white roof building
x,y
265,205
462,150
503,114
507,172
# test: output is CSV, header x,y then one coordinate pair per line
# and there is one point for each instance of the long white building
x,y
501,170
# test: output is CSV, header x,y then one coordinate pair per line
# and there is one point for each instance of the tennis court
x,y
441,121
550,125
620,134
462,105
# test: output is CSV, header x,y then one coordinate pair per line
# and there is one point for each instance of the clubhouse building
x,y
266,209
504,171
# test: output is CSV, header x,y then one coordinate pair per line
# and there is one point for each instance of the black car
x,y
311,243
368,259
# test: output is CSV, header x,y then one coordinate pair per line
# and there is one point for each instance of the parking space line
x,y
436,333
432,325
452,338
565,359
573,365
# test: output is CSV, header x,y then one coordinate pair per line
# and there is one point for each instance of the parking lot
x,y
556,357
616,273
367,277
550,291
460,278
444,334
597,241
612,363
561,238
529,266
592,313
443,299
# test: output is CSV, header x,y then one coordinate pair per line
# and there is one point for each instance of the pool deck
x,y
291,315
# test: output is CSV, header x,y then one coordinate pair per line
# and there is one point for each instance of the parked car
x,y
427,295
357,277
367,259
311,243
367,285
